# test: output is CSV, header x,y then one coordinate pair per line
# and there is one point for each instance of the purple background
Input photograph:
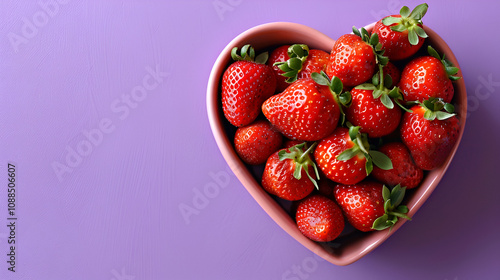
x,y
117,214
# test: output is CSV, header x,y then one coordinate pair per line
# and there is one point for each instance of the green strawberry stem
x,y
401,106
302,161
409,20
380,86
393,209
297,54
306,154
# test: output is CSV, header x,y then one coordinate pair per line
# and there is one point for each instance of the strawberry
x,y
255,142
284,173
245,86
305,111
428,76
319,218
430,133
296,62
368,112
315,63
372,106
370,205
354,56
391,70
399,34
404,170
279,54
345,158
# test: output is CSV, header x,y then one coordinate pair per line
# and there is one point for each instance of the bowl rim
x,y
268,204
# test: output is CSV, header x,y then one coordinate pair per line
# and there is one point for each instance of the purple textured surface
x,y
118,176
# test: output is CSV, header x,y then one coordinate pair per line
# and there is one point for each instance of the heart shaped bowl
x,y
351,246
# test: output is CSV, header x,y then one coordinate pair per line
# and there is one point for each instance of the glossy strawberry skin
x,y
255,142
316,62
396,44
404,172
245,86
374,118
351,60
278,179
347,172
425,77
429,142
305,111
319,218
361,203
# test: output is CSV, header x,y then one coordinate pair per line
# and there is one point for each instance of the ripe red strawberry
x,y
305,111
245,86
430,133
288,173
404,171
315,63
344,156
353,58
296,62
428,76
370,205
399,34
372,107
319,218
371,114
255,142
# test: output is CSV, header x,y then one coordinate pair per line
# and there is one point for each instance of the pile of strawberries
x,y
344,134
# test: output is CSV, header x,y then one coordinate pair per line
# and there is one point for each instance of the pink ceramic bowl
x,y
266,36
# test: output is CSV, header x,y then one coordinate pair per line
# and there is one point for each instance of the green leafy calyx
x,y
451,70
297,54
300,155
381,87
247,53
373,41
409,20
362,148
434,109
393,209
343,98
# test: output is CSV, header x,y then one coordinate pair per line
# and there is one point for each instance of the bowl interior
x,y
351,247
